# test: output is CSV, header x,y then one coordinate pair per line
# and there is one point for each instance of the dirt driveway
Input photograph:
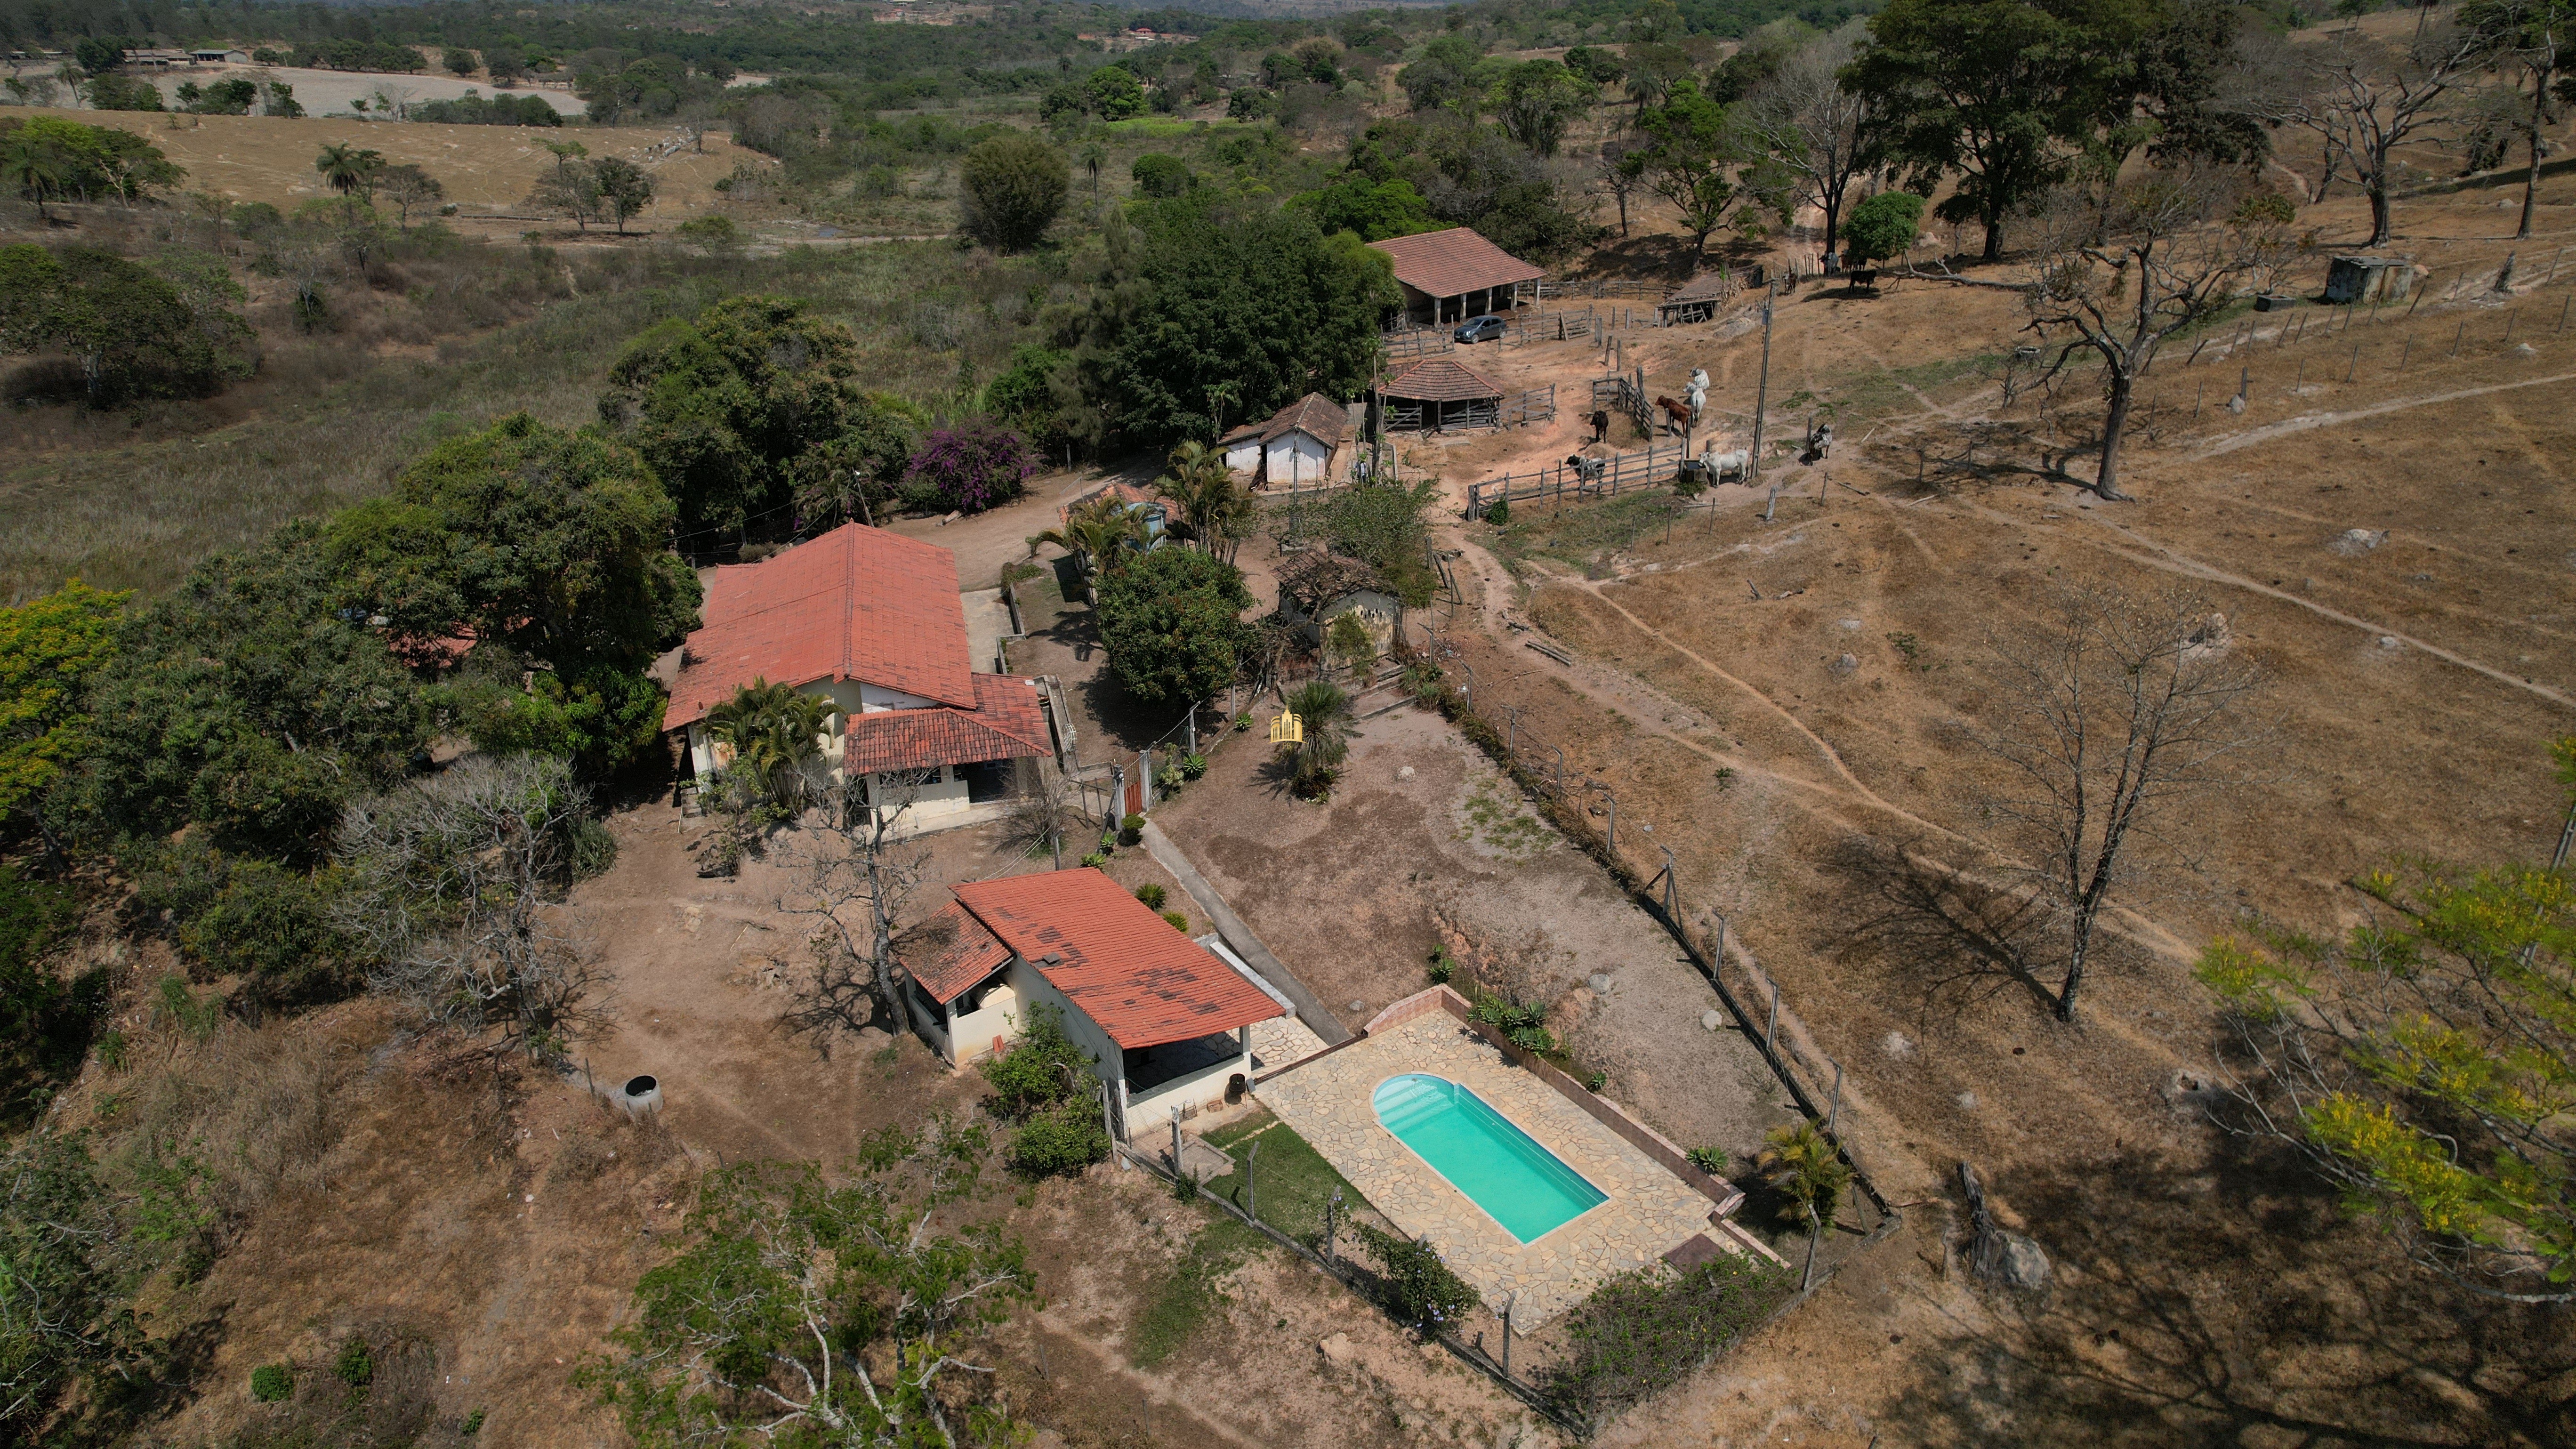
x,y
1424,844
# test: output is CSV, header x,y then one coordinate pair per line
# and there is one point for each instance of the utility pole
x,y
1762,390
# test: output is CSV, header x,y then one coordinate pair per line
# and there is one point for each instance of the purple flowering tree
x,y
970,467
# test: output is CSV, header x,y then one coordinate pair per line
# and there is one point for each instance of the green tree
x,y
410,189
846,478
61,1316
1444,74
1093,156
1324,712
350,170
1536,100
2003,95
1114,94
547,547
45,156
837,1313
624,189
1101,533
1172,621
773,735
1693,160
1882,227
1158,175
50,648
722,405
134,332
1803,1167
1369,209
2534,39
1212,505
250,703
2424,1062
1596,65
32,168
122,93
45,1021
458,61
1247,297
1011,188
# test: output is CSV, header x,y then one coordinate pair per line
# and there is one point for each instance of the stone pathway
x,y
1649,1212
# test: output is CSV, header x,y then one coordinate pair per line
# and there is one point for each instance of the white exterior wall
x,y
1244,456
1296,459
1033,988
945,795
971,1035
1201,1089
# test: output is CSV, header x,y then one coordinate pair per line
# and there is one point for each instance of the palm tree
x,y
774,732
1098,533
1802,1166
33,167
1210,502
1325,713
1093,156
348,169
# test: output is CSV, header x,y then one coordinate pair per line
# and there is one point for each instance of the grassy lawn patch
x,y
1189,1293
1584,534
1291,1181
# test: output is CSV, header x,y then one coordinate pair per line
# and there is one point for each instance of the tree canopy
x,y
722,405
1172,622
1248,298
133,332
1011,188
49,649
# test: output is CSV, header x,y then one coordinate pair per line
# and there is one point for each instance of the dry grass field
x,y
1768,696
484,168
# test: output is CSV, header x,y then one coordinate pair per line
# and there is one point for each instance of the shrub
x,y
1644,1331
1159,175
1010,188
1499,512
1152,895
238,915
1711,1160
1881,227
1180,922
1172,622
1413,1283
970,468
1058,1143
355,1366
1094,859
1523,1026
1193,766
1131,829
1596,1082
1033,1075
1442,966
1801,1165
271,1382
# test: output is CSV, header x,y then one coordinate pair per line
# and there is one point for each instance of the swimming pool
x,y
1518,1183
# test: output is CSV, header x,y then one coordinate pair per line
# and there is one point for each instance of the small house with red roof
x,y
1165,1020
873,622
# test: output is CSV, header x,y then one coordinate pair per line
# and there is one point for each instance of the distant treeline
x,y
502,110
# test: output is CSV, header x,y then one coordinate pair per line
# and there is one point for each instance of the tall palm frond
x,y
775,733
1214,507
1097,532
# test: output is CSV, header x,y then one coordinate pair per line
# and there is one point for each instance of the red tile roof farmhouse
x,y
1454,262
857,603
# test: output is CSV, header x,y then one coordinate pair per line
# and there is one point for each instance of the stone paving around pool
x,y
1327,1100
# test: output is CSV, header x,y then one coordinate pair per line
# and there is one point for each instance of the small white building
x,y
1296,448
1165,1020
873,622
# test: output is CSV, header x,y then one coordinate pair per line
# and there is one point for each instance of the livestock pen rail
x,y
1619,472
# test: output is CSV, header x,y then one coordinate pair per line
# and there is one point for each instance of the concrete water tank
x,y
641,1097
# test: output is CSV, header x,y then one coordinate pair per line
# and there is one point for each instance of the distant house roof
x,y
1122,965
1004,725
1437,379
1315,415
857,603
950,952
1448,263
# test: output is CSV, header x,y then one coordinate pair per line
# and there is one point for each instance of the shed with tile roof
x,y
1165,1019
873,622
1437,394
1449,276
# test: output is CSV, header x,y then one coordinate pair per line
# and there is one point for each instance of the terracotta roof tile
x,y
1448,263
1126,968
1437,379
1004,725
857,603
950,952
1315,415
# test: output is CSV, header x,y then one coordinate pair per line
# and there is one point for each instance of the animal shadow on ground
x,y
2232,1301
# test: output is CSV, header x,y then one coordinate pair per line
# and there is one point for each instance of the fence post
x,y
1773,1025
1510,1301
1332,1209
1834,1113
1251,1197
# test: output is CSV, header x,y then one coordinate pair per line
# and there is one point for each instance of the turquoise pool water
x,y
1519,1183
